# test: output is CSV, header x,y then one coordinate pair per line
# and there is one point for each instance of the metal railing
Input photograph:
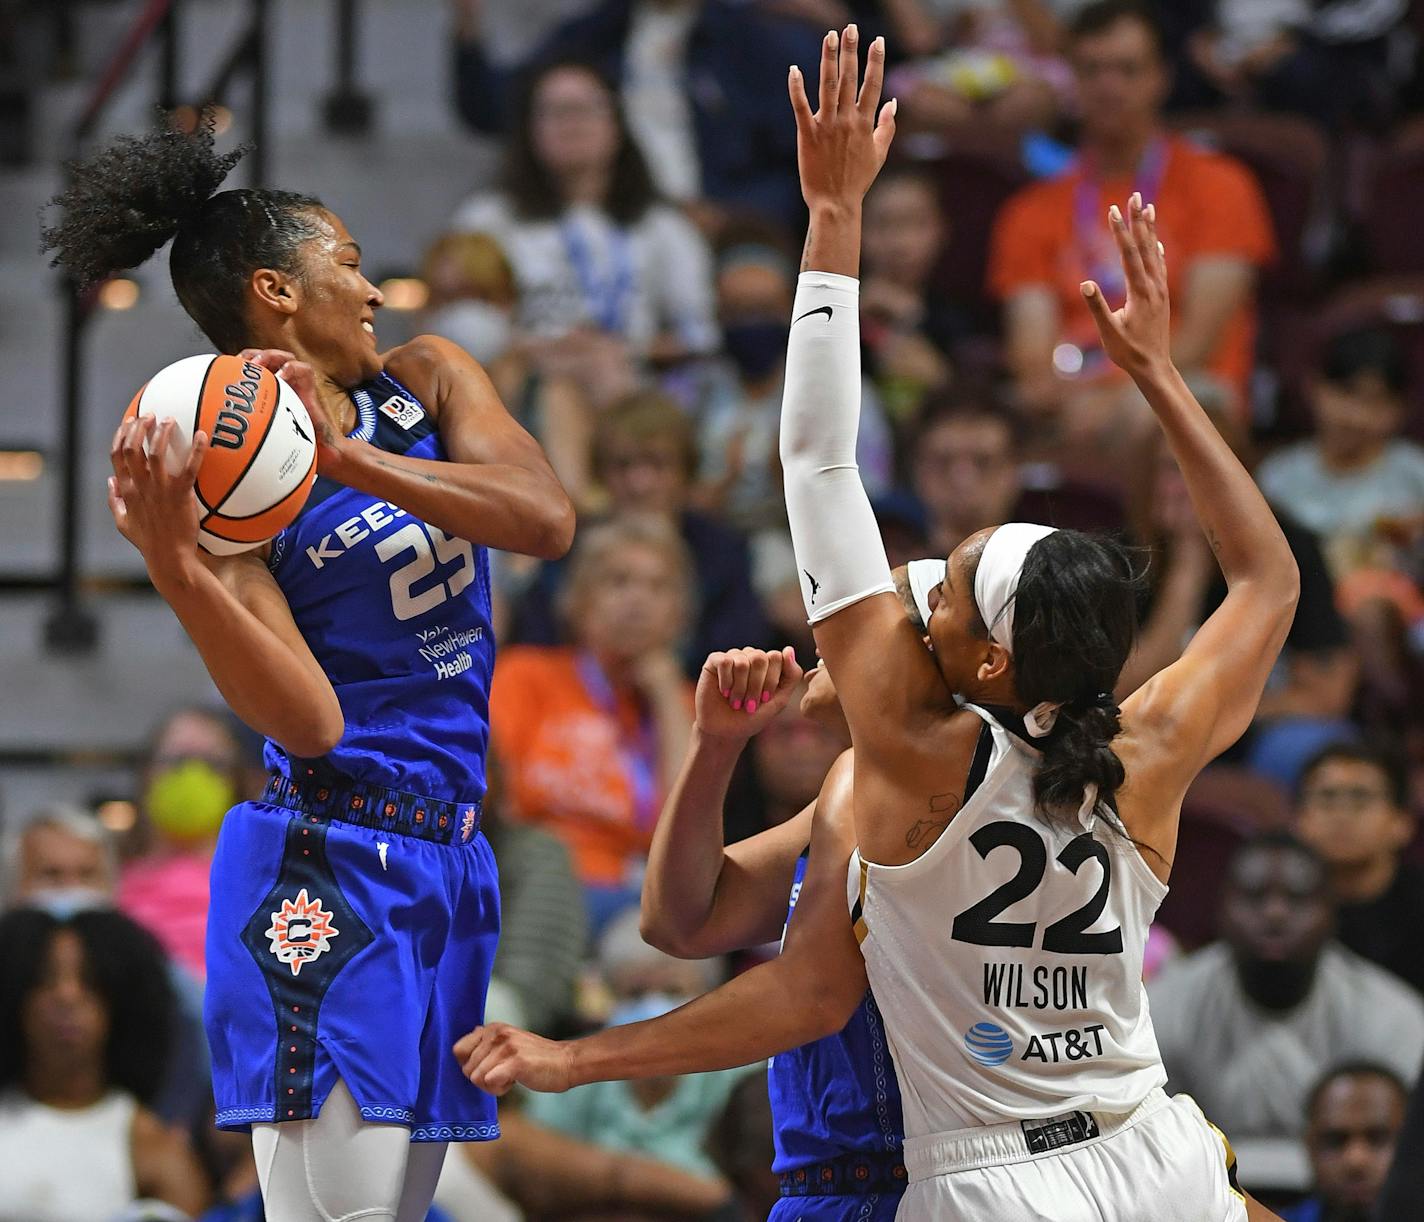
x,y
70,626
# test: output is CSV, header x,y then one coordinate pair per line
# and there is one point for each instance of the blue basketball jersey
x,y
838,1095
397,613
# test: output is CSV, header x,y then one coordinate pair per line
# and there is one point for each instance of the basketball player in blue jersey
x,y
835,1099
355,908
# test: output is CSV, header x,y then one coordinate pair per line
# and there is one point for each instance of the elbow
x,y
318,736
659,933
830,1006
556,529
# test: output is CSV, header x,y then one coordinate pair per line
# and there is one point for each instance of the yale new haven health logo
x,y
988,1043
301,931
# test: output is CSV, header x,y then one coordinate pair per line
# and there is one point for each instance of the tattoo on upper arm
x,y
943,808
1214,539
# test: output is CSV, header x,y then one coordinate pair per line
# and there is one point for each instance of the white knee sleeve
x,y
838,546
336,1168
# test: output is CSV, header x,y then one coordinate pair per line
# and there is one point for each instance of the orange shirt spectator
x,y
1207,204
589,736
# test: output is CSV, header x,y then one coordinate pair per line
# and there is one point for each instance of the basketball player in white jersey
x,y
1015,844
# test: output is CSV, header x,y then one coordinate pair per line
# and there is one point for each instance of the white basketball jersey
x,y
1007,961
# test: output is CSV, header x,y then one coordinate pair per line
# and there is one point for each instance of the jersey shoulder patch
x,y
402,411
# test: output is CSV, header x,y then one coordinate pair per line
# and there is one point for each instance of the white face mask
x,y
479,327
64,902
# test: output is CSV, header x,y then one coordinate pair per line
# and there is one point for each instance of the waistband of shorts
x,y
849,1175
1017,1141
374,806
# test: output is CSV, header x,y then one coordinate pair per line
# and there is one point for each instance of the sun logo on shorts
x,y
301,930
467,824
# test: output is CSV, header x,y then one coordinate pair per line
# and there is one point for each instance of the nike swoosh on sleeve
x,y
826,310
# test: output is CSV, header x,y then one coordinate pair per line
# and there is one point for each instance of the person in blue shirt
x,y
355,908
1356,1112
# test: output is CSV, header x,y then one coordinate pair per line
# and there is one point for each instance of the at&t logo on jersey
x,y
988,1043
301,931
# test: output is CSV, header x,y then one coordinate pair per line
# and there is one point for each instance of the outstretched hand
x,y
1138,337
842,145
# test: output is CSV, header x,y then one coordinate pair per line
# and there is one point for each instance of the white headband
x,y
996,585
996,581
923,576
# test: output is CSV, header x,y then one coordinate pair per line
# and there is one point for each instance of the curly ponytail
x,y
129,199
1075,621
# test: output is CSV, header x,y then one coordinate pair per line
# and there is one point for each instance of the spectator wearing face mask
x,y
192,776
741,406
1353,1121
1245,1023
63,861
85,1016
474,301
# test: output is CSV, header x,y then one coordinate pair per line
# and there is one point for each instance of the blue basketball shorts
x,y
357,948
872,1207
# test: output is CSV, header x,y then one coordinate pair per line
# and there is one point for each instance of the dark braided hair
x,y
1075,621
127,200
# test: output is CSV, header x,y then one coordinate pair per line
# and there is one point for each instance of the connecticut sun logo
x,y
301,930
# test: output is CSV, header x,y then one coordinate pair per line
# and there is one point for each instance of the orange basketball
x,y
261,460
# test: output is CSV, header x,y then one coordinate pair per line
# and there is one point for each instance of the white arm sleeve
x,y
838,547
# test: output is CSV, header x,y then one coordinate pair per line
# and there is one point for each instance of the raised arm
x,y
809,991
881,669
700,898
1192,711
231,607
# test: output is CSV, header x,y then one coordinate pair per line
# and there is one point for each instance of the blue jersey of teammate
x,y
398,615
835,1106
355,908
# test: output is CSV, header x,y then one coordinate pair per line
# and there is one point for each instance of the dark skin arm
x,y
809,991
700,898
497,489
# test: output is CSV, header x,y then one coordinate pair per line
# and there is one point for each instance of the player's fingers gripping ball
x,y
261,458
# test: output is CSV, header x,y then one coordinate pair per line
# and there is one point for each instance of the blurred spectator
x,y
645,458
1307,701
740,1143
666,1118
191,778
543,928
1353,1121
62,861
1353,809
791,757
700,80
1245,1023
908,327
1356,481
1053,235
994,62
964,468
1336,61
741,411
590,735
551,1175
85,1015
474,301
607,275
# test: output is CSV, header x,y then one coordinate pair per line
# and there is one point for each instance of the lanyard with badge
x,y
639,758
1092,239
608,298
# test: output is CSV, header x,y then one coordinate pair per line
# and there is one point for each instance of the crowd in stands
x,y
627,281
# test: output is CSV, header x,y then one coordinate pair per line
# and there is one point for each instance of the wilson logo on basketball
x,y
231,425
301,931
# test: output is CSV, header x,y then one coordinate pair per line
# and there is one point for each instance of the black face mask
x,y
755,347
1276,984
